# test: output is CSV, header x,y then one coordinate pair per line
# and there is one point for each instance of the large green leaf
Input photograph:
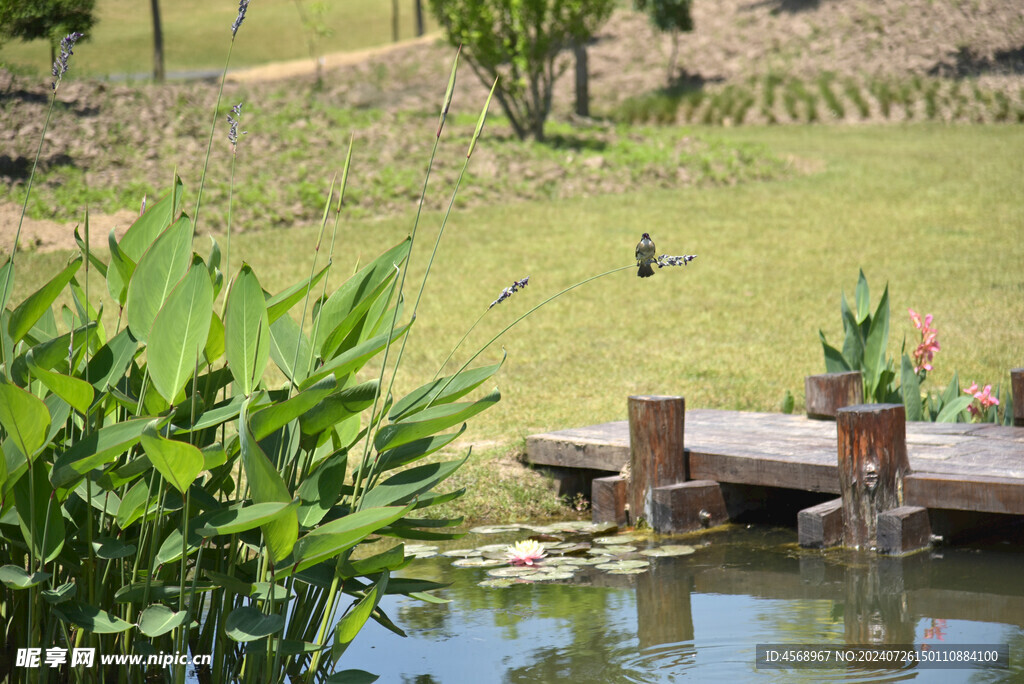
x,y
290,350
26,314
179,462
90,618
354,618
952,410
343,308
910,389
332,343
267,486
159,619
431,420
140,235
863,298
159,270
110,362
280,303
78,393
415,450
356,357
16,577
320,491
248,623
179,333
338,407
403,486
332,538
268,419
96,449
246,330
442,391
236,520
25,418
875,347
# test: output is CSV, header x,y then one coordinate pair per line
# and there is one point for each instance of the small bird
x,y
645,256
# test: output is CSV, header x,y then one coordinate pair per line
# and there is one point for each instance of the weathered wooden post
x,y
1017,391
656,456
872,463
830,392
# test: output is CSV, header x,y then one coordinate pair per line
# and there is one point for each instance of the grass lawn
x,y
934,211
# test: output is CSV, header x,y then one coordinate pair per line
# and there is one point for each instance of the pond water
x,y
699,617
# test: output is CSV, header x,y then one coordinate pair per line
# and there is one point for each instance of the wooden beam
x,y
656,455
830,392
687,506
903,530
608,500
872,444
1017,390
968,493
821,526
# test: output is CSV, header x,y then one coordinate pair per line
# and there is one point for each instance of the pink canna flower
x,y
525,552
925,352
983,398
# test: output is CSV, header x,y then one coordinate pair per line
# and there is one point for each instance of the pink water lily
x,y
525,552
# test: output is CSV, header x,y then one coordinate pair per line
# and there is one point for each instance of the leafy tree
x,y
520,41
49,19
671,16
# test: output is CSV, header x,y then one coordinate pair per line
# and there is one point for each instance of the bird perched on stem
x,y
645,256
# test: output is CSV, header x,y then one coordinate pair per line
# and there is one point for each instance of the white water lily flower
x,y
525,552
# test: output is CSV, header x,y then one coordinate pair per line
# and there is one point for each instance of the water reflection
x,y
702,616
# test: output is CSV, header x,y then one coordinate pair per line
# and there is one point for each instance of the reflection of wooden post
x,y
877,610
664,614
872,443
830,392
1017,389
656,456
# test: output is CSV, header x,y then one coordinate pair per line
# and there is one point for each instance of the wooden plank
x,y
821,526
599,447
687,506
979,493
768,472
903,530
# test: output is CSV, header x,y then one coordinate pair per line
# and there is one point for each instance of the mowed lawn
x,y
937,212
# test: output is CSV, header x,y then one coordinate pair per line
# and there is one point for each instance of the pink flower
x,y
925,352
983,397
525,552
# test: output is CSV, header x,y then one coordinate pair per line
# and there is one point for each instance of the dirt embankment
x,y
122,134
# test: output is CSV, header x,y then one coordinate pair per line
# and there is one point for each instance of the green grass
x,y
931,210
196,34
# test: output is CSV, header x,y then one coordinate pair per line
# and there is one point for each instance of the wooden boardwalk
x,y
957,466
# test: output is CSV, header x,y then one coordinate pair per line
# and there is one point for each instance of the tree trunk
x,y
582,84
394,21
418,5
158,43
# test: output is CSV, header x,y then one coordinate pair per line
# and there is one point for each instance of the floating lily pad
x,y
616,539
612,550
492,548
496,529
514,571
568,548
420,550
624,565
628,571
461,553
478,563
549,576
669,550
585,560
497,583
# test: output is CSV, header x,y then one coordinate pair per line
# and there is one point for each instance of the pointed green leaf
x,y
90,618
96,449
403,486
26,314
237,520
16,577
875,347
93,259
282,302
42,524
442,391
480,121
910,389
413,451
952,410
336,536
157,273
339,406
863,297
121,272
110,362
246,330
179,333
320,491
289,348
356,357
431,420
25,418
76,392
267,486
354,619
269,419
179,462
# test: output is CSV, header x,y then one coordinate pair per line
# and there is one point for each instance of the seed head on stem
x,y
60,67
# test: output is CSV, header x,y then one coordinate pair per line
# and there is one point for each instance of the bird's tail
x,y
645,270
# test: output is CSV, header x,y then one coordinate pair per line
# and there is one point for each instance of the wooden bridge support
x,y
656,455
1017,392
826,394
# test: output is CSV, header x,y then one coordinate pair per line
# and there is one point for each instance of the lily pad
x,y
497,582
585,560
496,529
669,550
478,563
420,550
492,548
612,550
461,553
514,571
550,576
617,539
628,571
624,565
